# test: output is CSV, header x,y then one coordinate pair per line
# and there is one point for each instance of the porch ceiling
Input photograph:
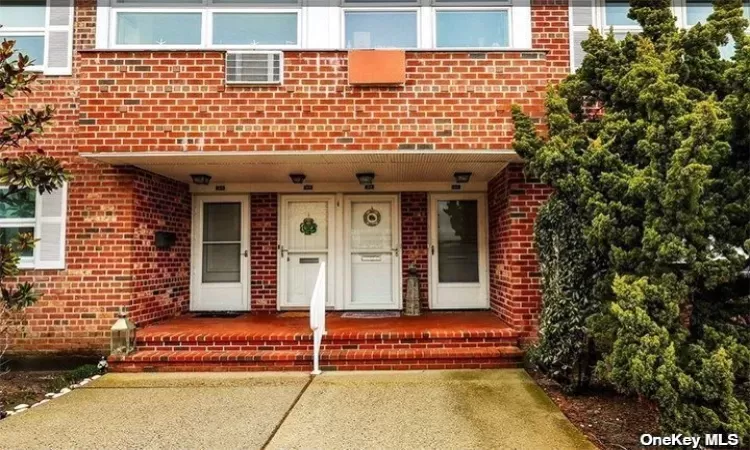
x,y
318,166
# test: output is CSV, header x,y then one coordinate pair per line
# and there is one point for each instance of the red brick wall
x,y
178,101
452,100
161,277
414,241
263,251
79,303
550,30
513,202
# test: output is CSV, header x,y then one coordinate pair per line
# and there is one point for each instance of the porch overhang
x,y
324,170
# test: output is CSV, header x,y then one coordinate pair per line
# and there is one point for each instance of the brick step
x,y
410,359
332,341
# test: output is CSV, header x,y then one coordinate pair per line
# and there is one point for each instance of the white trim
x,y
102,23
196,250
396,274
283,267
482,287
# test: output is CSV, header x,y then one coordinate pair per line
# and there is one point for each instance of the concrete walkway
x,y
384,410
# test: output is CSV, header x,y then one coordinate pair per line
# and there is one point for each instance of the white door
x,y
372,260
220,254
306,236
458,251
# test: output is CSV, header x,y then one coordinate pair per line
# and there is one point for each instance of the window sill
x,y
301,50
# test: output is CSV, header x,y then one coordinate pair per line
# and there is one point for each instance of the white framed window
x,y
267,28
606,14
381,27
332,24
18,215
155,27
41,215
478,27
43,30
185,24
25,22
693,12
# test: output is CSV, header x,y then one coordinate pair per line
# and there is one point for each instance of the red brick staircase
x,y
408,349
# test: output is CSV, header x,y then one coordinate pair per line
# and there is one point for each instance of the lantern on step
x,y
123,335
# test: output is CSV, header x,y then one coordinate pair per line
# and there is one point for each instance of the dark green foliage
x,y
648,153
73,376
20,176
568,274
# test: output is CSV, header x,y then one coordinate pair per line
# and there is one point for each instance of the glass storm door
x,y
458,251
306,229
221,254
373,263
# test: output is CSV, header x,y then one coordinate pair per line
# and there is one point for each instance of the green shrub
x,y
648,151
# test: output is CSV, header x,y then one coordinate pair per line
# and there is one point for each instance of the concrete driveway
x,y
383,410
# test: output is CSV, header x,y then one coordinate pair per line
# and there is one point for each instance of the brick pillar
x,y
263,252
161,277
414,240
514,202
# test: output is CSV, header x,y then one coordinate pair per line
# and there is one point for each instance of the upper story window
x,y
380,29
42,30
205,23
279,24
466,28
613,14
616,14
25,21
158,28
276,28
697,11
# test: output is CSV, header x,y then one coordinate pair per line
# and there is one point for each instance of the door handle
x,y
395,250
432,249
283,250
245,253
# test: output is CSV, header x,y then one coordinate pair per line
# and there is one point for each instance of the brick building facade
x,y
133,124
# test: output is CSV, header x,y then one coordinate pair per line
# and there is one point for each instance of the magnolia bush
x,y
21,174
644,246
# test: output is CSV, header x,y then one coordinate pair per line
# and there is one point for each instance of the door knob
x,y
245,253
395,250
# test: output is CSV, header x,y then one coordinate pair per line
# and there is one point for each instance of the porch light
x,y
123,335
366,178
200,178
297,178
462,177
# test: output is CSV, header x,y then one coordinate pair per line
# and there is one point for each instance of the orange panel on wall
x,y
377,67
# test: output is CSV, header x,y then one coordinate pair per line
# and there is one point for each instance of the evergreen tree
x,y
647,150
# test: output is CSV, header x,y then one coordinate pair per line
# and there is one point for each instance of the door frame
x,y
483,243
396,272
196,248
281,279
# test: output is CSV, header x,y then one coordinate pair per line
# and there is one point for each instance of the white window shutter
x,y
59,45
50,229
582,16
